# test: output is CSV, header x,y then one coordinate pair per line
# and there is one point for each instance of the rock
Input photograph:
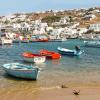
x,y
76,92
64,86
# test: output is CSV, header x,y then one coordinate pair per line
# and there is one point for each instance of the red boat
x,y
50,54
42,40
30,57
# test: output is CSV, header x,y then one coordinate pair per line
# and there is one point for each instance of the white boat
x,y
58,40
36,59
4,41
21,71
65,51
92,43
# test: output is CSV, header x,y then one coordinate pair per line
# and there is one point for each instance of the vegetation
x,y
51,19
6,22
19,21
90,9
63,25
71,18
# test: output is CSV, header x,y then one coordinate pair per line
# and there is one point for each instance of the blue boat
x,y
21,70
69,52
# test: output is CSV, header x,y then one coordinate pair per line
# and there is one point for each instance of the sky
x,y
17,6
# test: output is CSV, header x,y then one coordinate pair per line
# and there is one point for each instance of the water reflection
x,y
6,46
55,62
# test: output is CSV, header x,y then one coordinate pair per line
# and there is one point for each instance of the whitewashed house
x,y
25,26
64,20
56,33
42,31
71,31
10,35
2,26
16,26
82,30
43,25
68,33
9,17
35,32
37,21
95,27
22,17
75,25
39,31
49,29
89,17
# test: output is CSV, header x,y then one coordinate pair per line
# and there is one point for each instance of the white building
x,y
64,20
56,33
82,30
9,17
49,29
89,17
95,27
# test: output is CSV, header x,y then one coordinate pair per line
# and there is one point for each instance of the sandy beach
x,y
58,93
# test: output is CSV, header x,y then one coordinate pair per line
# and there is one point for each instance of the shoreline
x,y
51,93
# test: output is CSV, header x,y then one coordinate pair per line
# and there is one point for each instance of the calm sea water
x,y
82,70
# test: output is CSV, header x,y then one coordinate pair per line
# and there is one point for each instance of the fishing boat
x,y
21,71
31,57
92,44
50,54
65,51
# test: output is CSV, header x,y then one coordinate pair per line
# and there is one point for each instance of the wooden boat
x,y
36,58
50,54
21,71
92,44
69,52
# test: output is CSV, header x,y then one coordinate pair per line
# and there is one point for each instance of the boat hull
x,y
23,73
35,59
50,54
24,41
70,53
5,42
65,51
